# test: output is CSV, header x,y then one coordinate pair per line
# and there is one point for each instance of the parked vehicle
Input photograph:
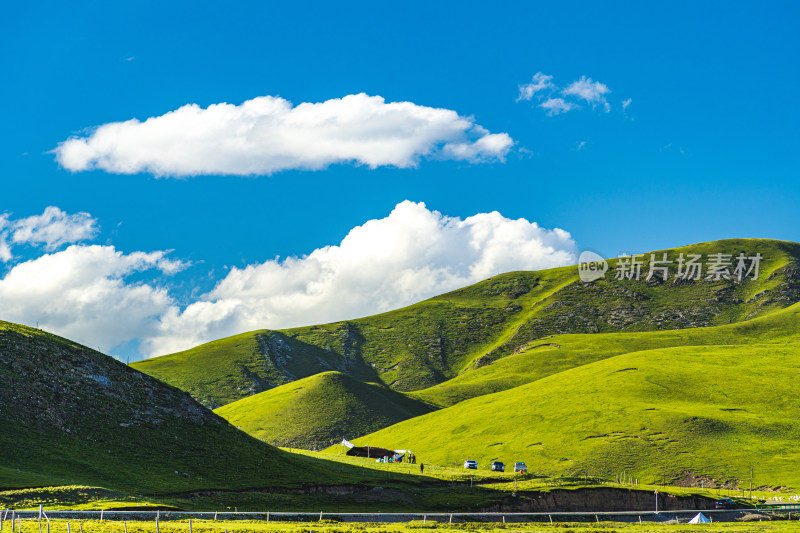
x,y
497,466
726,503
520,468
472,465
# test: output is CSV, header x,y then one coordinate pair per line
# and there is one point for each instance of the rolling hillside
x,y
707,409
460,332
679,380
315,412
558,353
71,415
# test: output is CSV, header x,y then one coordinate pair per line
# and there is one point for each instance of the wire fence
x,y
58,521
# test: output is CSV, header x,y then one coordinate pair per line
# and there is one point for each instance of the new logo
x,y
591,266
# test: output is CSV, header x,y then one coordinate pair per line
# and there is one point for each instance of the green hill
x,y
232,368
452,335
70,415
723,400
558,353
319,410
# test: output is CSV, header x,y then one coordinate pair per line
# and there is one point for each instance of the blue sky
x,y
707,147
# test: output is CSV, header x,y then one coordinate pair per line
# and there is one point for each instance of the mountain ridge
x,y
431,342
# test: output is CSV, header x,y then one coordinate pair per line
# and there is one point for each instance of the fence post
x,y
158,514
124,525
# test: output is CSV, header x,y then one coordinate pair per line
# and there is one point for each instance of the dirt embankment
x,y
587,500
599,500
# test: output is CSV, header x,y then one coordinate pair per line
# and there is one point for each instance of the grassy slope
x,y
407,349
70,415
235,367
453,334
558,353
714,410
320,410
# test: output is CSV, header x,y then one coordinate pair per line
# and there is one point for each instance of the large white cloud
x,y
266,135
412,254
89,293
83,293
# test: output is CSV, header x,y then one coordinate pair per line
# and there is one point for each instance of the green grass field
x,y
332,526
509,481
666,413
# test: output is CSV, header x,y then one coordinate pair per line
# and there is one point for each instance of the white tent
x,y
700,518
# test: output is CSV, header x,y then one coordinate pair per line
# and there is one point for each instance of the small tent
x,y
700,518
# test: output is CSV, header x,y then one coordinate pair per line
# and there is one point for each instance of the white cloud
x,y
82,293
387,263
584,89
5,248
53,228
591,91
540,83
626,103
266,135
556,106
